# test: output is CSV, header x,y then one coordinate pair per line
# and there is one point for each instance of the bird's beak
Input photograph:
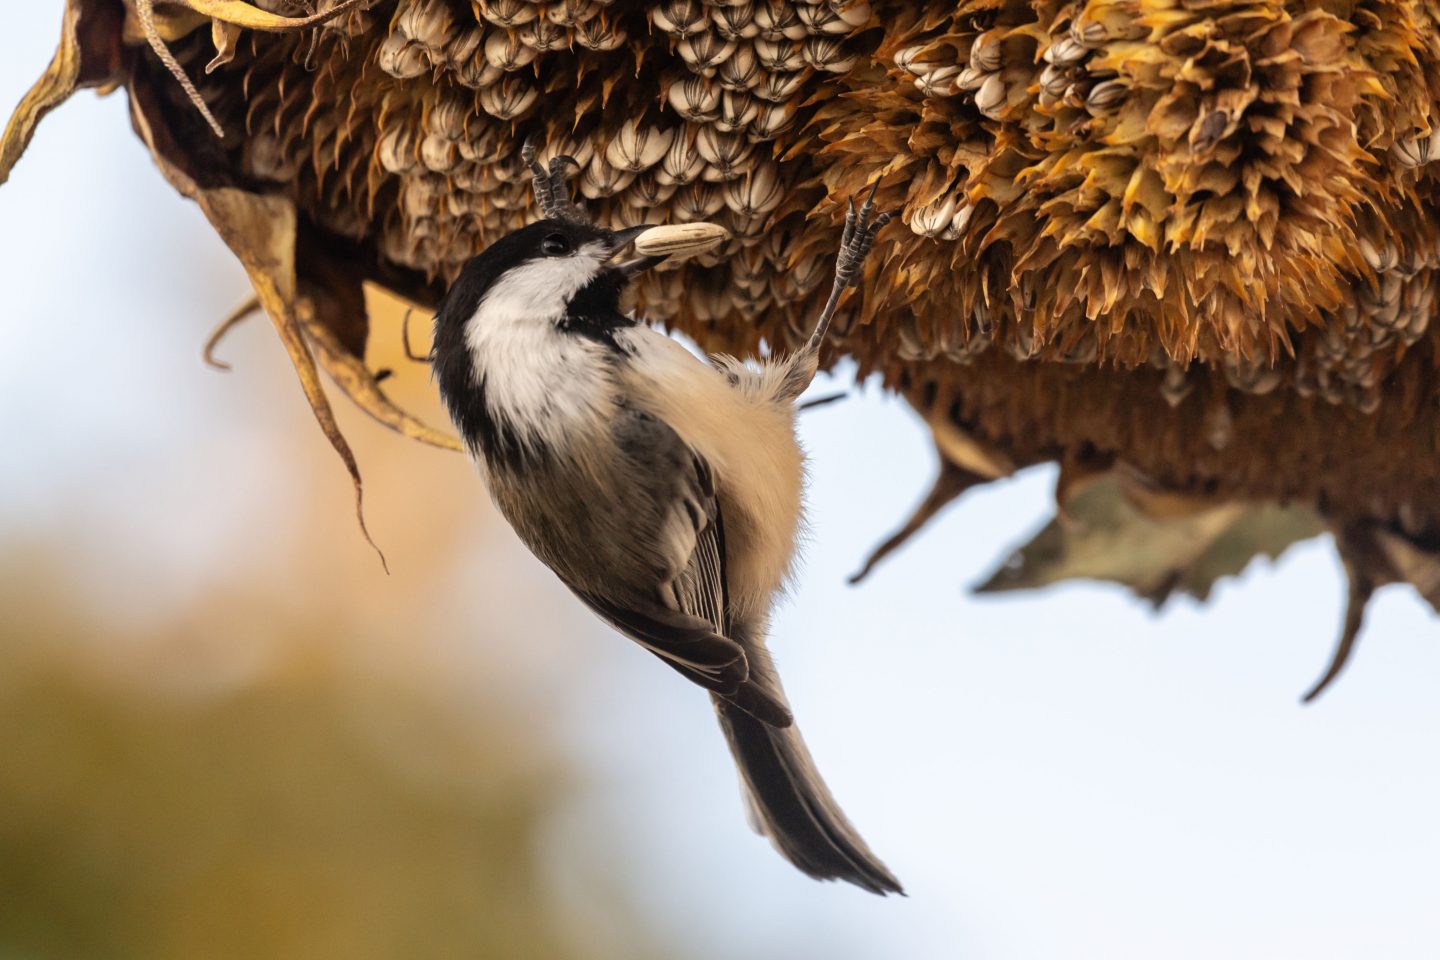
x,y
620,239
661,240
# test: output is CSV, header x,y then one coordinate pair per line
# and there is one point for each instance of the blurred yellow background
x,y
285,761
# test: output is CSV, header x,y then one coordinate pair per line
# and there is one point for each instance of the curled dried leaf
x,y
225,36
86,55
241,14
236,317
352,376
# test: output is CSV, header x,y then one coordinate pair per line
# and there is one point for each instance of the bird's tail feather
x,y
794,808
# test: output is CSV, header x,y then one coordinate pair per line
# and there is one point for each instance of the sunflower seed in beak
x,y
680,239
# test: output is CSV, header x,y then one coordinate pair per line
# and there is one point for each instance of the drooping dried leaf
x,y
950,483
965,462
353,377
332,312
260,231
1374,557
1262,531
1413,564
52,89
1103,535
87,55
1365,571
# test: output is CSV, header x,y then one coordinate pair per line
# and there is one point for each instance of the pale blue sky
x,y
1057,775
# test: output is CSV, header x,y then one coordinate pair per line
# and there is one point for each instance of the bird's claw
x,y
552,195
861,226
858,237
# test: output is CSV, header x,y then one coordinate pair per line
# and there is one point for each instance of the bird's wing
x,y
689,644
686,623
700,589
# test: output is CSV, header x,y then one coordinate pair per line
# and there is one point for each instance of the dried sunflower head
x,y
1196,240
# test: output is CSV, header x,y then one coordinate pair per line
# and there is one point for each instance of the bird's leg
x,y
861,226
552,193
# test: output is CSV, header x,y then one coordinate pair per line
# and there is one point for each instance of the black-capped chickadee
x,y
664,492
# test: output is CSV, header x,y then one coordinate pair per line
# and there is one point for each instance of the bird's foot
x,y
861,226
552,193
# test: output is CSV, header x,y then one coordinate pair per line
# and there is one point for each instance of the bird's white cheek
x,y
519,313
544,382
540,289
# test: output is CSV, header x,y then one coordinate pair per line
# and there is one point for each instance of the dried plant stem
x,y
405,339
145,12
236,317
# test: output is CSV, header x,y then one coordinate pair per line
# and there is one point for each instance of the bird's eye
x,y
555,245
